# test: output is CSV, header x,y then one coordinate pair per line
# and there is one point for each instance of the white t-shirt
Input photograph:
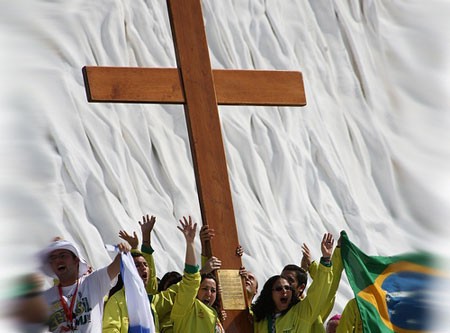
x,y
88,308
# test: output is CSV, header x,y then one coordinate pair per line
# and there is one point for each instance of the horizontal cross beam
x,y
163,86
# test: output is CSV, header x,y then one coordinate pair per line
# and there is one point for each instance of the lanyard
x,y
271,320
68,311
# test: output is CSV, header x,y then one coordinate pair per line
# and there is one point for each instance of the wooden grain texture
x,y
202,118
164,86
200,89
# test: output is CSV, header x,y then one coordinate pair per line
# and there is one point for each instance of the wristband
x,y
325,261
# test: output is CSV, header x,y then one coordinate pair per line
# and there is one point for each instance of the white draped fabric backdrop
x,y
369,154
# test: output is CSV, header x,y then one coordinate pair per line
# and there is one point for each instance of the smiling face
x,y
207,292
142,268
281,294
65,265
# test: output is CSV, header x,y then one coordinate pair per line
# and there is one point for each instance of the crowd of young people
x,y
83,300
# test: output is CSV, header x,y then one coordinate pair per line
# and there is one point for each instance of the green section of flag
x,y
370,318
365,273
368,268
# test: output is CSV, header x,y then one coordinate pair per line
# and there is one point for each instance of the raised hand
x,y
132,240
147,225
188,228
114,266
306,257
327,245
123,247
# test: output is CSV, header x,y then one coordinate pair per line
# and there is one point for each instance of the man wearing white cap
x,y
76,302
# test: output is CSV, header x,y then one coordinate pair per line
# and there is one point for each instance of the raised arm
x,y
190,282
114,266
133,240
189,228
327,244
337,272
327,247
318,291
306,257
147,225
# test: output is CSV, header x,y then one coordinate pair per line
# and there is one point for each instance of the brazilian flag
x,y
392,293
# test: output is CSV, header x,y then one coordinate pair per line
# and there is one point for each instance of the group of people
x,y
86,300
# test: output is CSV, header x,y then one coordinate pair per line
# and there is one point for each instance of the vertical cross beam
x,y
194,84
203,123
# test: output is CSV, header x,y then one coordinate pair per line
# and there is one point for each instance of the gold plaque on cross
x,y
232,295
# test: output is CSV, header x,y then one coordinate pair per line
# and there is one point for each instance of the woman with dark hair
x,y
193,309
277,308
275,299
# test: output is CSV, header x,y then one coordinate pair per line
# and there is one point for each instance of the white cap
x,y
61,245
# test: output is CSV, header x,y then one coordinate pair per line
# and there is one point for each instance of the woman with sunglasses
x,y
278,310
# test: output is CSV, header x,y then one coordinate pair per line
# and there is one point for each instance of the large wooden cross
x,y
201,89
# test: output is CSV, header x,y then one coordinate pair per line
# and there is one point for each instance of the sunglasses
x,y
281,288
